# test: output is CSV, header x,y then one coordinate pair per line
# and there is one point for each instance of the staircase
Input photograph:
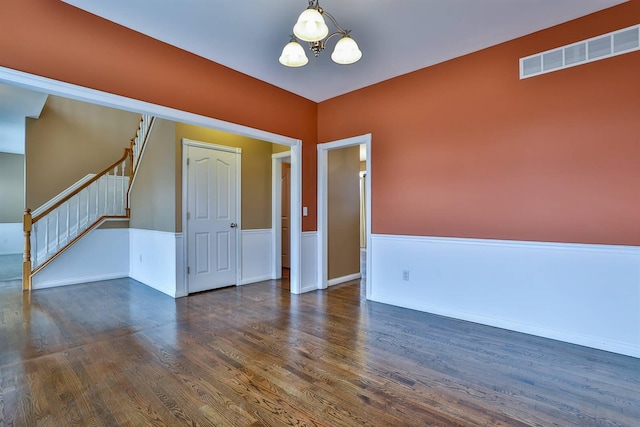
x,y
53,228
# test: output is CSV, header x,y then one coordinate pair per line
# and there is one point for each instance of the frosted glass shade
x,y
310,26
346,51
293,55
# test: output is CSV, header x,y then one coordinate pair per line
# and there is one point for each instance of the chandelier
x,y
312,28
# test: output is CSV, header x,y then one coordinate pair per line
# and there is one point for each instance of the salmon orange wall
x,y
466,149
55,40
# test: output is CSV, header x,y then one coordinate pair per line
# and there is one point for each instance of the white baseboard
x,y
309,260
255,279
102,254
582,294
343,279
11,238
78,280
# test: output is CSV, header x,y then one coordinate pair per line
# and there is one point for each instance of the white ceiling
x,y
395,36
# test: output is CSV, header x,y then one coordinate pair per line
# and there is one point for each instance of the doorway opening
x,y
280,216
53,87
323,207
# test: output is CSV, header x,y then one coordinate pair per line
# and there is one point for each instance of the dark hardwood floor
x,y
118,353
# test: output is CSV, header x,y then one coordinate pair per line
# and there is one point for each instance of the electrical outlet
x,y
405,275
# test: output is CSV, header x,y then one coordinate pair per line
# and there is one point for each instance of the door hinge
x,y
188,161
188,270
188,215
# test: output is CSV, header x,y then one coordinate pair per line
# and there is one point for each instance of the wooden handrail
x,y
127,152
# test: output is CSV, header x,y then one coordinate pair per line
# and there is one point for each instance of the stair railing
x,y
106,196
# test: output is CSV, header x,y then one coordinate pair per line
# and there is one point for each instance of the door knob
x,y
234,225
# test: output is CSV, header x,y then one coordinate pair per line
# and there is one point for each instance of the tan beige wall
x,y
277,148
153,196
256,173
344,212
70,140
11,187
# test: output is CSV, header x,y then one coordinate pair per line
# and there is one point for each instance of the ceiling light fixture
x,y
312,28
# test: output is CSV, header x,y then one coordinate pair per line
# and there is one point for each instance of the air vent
x,y
605,46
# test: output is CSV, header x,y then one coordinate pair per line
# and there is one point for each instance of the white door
x,y
212,222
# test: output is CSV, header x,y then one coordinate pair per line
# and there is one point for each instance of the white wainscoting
x,y
257,258
582,294
153,257
181,278
309,247
11,238
103,254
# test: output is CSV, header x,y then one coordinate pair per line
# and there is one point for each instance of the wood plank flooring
x,y
118,353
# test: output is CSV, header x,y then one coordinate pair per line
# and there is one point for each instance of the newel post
x,y
26,259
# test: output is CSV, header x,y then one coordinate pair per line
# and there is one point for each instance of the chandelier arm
x,y
337,33
340,29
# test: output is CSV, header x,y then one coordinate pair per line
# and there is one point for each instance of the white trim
x,y
557,246
343,279
186,143
54,87
76,280
181,285
138,162
323,256
208,146
62,194
585,294
277,160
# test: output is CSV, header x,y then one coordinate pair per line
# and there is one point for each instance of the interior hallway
x,y
120,353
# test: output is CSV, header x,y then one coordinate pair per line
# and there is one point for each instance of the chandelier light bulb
x,y
310,26
346,51
293,55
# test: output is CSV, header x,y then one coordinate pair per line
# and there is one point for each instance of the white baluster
x,y
123,208
46,237
97,202
78,215
115,191
88,207
35,244
68,215
57,229
106,192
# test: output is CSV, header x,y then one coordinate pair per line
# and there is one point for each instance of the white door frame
x,y
277,160
186,143
323,204
68,90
